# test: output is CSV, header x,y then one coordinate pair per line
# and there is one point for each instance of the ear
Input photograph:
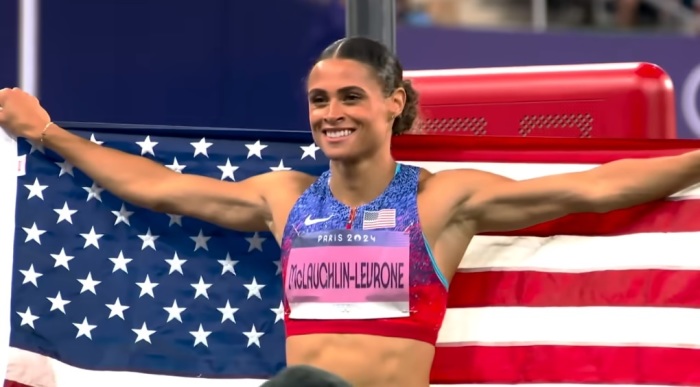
x,y
396,101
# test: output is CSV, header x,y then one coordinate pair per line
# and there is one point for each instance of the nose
x,y
334,113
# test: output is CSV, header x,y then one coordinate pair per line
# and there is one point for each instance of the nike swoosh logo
x,y
310,222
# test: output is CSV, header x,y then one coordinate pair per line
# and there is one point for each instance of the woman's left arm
x,y
496,203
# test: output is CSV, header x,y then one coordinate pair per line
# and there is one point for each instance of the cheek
x,y
315,117
363,114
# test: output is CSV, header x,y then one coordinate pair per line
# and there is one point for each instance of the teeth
x,y
338,133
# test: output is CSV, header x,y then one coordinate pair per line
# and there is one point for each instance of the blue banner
x,y
214,63
243,64
8,48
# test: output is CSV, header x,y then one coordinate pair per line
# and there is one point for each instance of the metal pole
x,y
374,19
539,15
28,44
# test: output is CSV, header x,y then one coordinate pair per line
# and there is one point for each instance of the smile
x,y
338,133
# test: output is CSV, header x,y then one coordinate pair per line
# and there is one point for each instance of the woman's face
x,y
349,114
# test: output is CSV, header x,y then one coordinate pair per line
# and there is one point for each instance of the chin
x,y
338,155
342,155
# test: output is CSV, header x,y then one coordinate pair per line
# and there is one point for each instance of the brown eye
x,y
317,100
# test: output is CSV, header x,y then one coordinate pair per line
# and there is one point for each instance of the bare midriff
x,y
364,360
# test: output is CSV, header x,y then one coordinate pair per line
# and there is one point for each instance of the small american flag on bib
x,y
379,219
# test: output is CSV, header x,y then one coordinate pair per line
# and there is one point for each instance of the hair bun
x,y
404,122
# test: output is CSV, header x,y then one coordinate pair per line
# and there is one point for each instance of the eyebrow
x,y
342,90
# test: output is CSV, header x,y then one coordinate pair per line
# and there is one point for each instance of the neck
x,y
358,183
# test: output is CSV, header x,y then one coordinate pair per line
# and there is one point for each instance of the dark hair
x,y
307,376
387,69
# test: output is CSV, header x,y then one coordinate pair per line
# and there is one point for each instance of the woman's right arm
x,y
242,206
236,205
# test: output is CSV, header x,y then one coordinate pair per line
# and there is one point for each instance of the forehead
x,y
332,74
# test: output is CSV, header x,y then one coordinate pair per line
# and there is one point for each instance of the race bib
x,y
348,274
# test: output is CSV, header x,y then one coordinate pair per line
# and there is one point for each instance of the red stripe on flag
x,y
664,216
566,364
653,288
12,383
445,148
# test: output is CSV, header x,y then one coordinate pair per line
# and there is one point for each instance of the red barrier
x,y
617,100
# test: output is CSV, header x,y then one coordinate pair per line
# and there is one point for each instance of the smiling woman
x,y
364,67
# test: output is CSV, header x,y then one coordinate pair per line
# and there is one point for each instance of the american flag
x,y
100,286
384,218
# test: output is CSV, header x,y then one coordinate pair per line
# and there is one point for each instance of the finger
x,y
3,95
2,117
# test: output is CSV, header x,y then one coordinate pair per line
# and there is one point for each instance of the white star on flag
x,y
58,303
255,149
228,265
174,312
200,336
27,318
36,190
175,264
120,262
227,170
143,333
253,337
30,276
200,148
33,234
148,239
62,259
65,213
309,151
94,192
147,146
280,167
84,329
122,215
254,288
227,312
175,219
93,139
116,309
66,168
201,288
92,238
147,287
255,242
200,241
175,166
89,284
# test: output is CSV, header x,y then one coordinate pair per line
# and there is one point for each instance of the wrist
x,y
691,162
43,132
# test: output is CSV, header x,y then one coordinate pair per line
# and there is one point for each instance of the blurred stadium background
x,y
242,63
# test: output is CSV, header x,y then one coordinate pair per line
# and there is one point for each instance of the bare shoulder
x,y
453,186
444,195
441,196
282,187
281,190
290,181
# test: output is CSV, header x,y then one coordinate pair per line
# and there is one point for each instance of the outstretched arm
x,y
496,203
242,206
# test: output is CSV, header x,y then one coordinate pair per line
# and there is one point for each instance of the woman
x,y
370,246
